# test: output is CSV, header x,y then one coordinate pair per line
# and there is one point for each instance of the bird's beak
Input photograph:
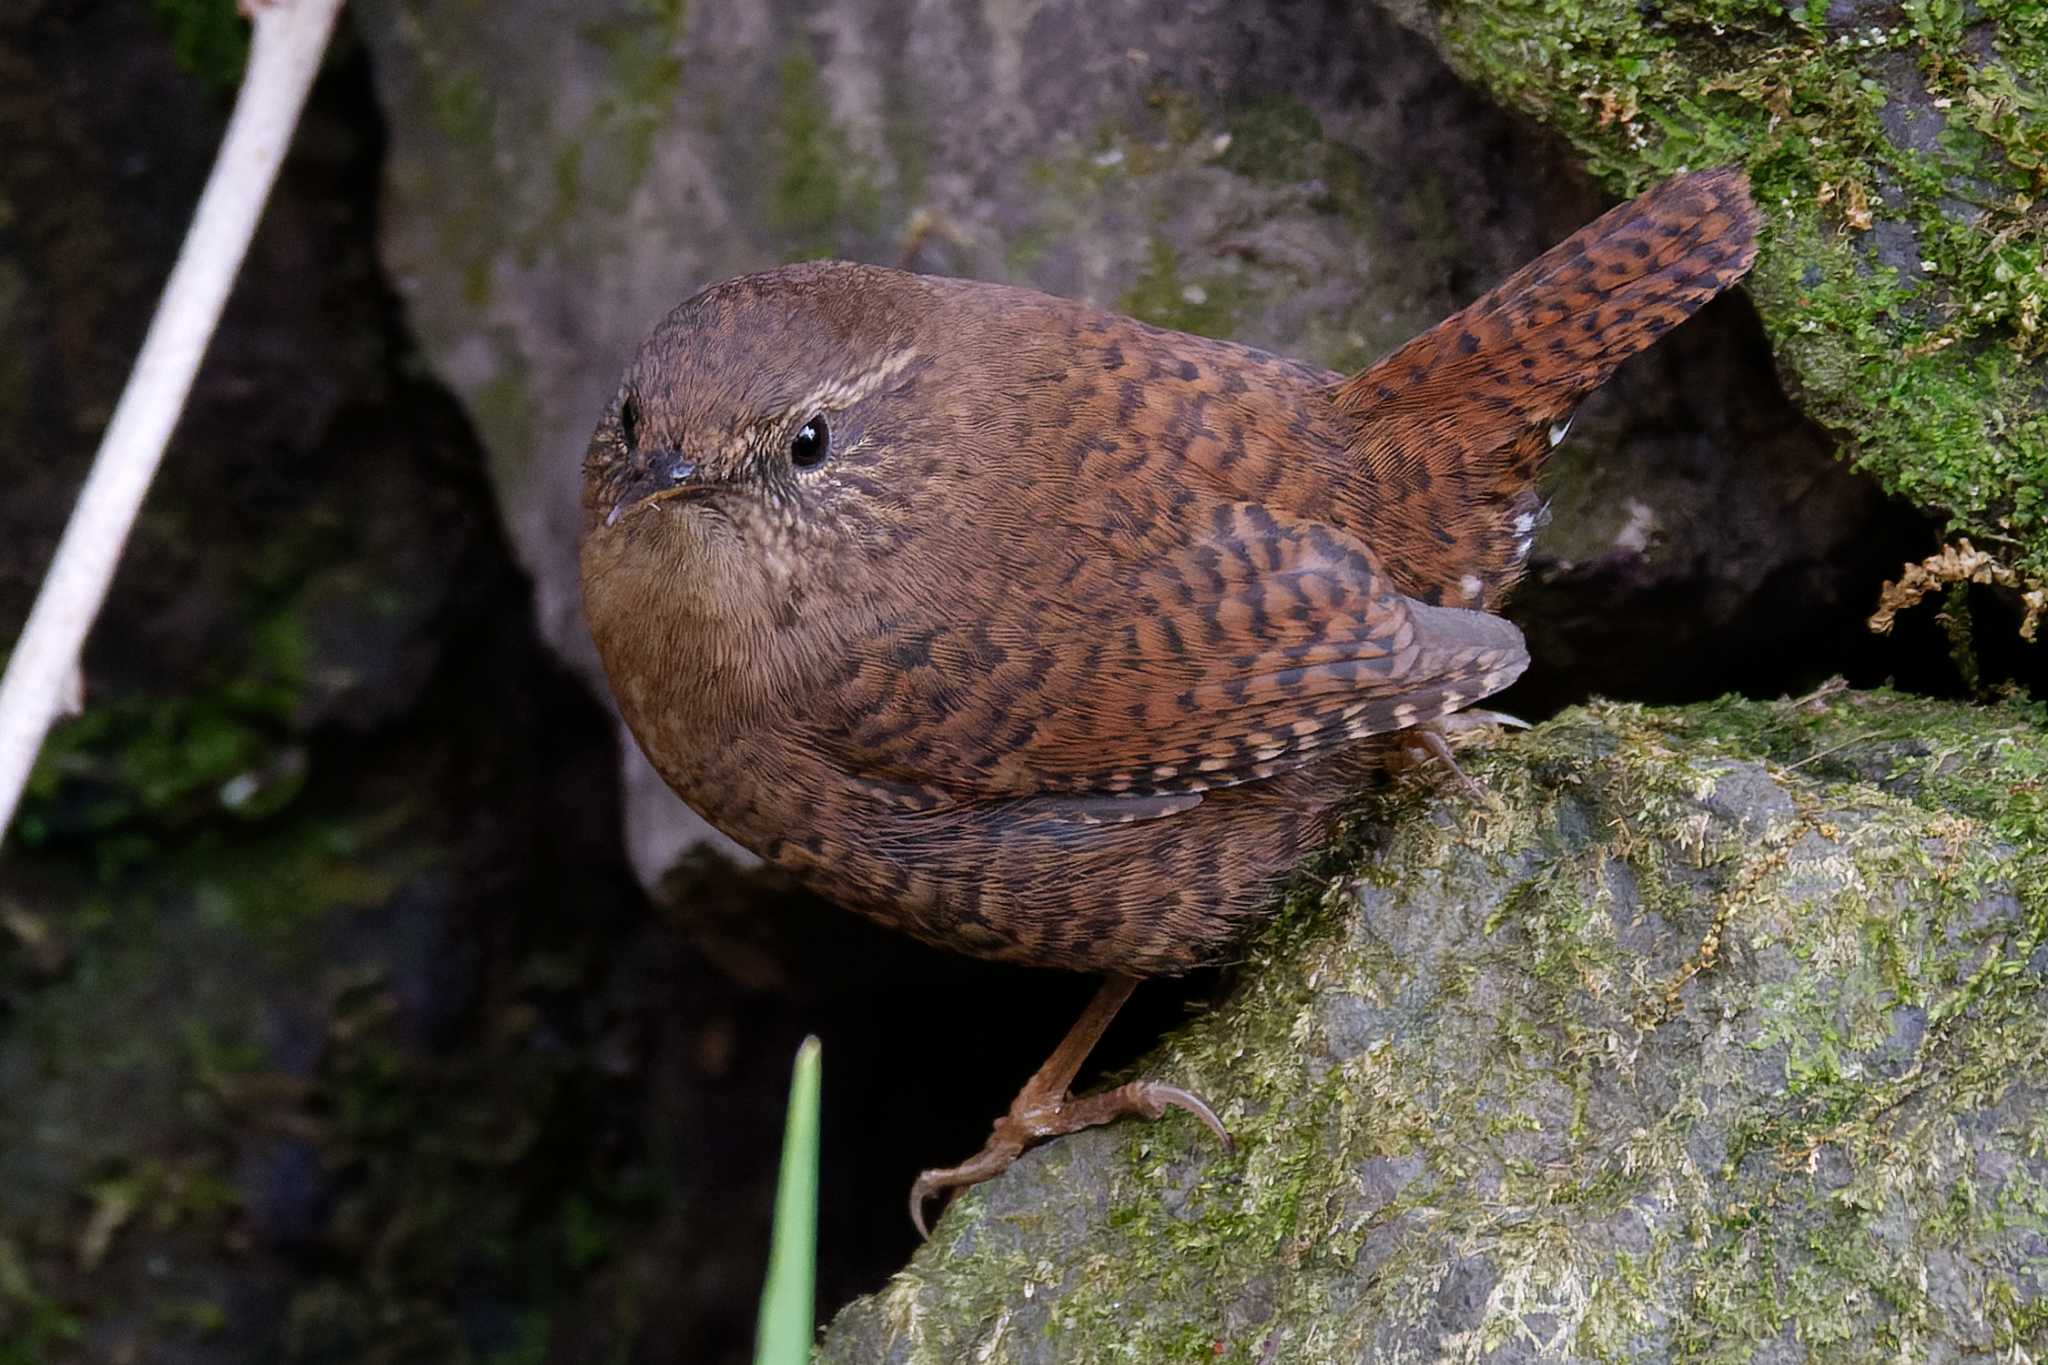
x,y
670,475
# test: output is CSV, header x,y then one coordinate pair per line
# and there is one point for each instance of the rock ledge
x,y
1722,1036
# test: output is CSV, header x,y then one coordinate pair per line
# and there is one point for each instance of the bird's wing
x,y
1142,668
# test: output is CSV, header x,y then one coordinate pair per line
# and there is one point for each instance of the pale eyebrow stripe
x,y
840,393
837,393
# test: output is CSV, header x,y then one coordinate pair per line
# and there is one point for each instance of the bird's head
x,y
754,456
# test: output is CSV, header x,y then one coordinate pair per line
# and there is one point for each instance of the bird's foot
x,y
1436,741
1036,1115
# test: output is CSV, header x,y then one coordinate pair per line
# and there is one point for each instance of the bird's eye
x,y
629,422
809,447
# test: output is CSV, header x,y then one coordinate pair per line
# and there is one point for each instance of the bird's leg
x,y
1435,741
1044,1108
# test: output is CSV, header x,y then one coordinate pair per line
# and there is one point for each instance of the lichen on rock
x,y
1718,1032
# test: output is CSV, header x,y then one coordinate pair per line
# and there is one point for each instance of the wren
x,y
1048,636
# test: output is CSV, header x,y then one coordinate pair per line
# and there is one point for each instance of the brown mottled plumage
x,y
1049,636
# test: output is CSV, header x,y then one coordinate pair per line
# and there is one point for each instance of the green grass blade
x,y
787,1300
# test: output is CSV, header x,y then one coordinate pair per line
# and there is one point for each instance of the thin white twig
x,y
290,37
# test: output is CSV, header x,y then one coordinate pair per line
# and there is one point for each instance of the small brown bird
x,y
1048,636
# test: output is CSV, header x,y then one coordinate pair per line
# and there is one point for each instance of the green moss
x,y
156,762
505,415
272,883
533,1335
1206,178
645,76
1278,139
34,1327
133,769
1210,305
192,1317
595,164
209,38
910,149
462,105
821,189
1928,364
1024,250
1277,143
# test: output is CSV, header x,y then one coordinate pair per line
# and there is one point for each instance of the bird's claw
x,y
1159,1097
1032,1119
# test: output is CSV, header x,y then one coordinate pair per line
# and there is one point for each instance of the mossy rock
x,y
1718,1035
1900,154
